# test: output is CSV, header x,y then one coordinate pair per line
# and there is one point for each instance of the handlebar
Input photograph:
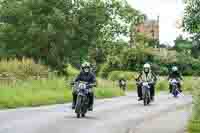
x,y
87,84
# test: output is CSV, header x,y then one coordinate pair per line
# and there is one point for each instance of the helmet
x,y
174,68
85,67
147,67
85,64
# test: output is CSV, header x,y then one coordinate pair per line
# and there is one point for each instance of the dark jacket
x,y
176,75
86,77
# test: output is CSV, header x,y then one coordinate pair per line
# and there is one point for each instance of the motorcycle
x,y
146,93
122,85
82,102
175,89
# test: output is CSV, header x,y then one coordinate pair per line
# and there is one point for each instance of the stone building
x,y
150,28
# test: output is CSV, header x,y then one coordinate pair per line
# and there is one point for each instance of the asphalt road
x,y
118,115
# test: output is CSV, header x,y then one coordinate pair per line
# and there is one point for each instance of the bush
x,y
189,83
72,71
162,85
131,85
104,70
22,69
194,123
102,83
108,92
116,75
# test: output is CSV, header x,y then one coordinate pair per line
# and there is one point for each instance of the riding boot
x,y
74,100
91,101
139,91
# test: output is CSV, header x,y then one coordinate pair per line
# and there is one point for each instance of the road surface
x,y
118,115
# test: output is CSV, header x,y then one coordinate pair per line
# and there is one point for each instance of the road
x,y
118,115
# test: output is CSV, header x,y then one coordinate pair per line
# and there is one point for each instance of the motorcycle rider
x,y
122,82
86,76
175,74
146,76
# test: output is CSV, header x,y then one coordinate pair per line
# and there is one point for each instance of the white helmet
x,y
147,65
174,68
85,67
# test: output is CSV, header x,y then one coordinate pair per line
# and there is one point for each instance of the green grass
x,y
44,92
56,90
108,92
194,123
34,93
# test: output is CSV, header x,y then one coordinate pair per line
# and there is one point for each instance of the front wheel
x,y
78,105
83,115
146,98
78,115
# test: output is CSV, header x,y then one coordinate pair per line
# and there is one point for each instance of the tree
x,y
192,16
182,45
192,25
40,29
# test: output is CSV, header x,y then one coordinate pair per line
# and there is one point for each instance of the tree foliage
x,y
192,16
61,31
192,25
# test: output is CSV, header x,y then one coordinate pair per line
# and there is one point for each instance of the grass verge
x,y
194,122
44,92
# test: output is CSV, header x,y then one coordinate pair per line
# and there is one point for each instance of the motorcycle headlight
x,y
82,86
173,81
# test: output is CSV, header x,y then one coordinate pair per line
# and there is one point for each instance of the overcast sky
x,y
168,10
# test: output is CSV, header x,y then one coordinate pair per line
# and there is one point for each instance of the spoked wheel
x,y
146,99
175,92
78,107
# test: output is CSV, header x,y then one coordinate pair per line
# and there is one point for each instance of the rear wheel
x,y
175,92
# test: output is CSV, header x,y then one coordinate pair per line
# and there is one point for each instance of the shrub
x,y
104,70
194,123
22,69
116,75
108,92
131,85
72,71
162,85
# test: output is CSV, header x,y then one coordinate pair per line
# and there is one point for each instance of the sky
x,y
168,10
